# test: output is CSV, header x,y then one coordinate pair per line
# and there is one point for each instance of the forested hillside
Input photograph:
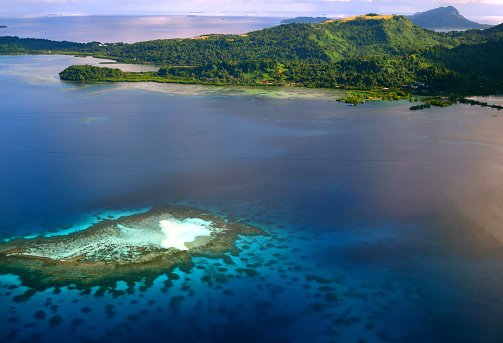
x,y
282,43
329,41
374,35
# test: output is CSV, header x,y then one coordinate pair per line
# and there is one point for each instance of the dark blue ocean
x,y
386,222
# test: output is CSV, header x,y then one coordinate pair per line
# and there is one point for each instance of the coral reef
x,y
130,249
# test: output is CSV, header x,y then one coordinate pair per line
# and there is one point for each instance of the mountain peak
x,y
451,9
444,18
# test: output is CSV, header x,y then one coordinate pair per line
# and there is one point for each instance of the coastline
x,y
354,96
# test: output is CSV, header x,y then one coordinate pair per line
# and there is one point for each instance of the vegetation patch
x,y
428,102
357,97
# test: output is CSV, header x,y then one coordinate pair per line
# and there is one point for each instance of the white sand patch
x,y
128,241
179,232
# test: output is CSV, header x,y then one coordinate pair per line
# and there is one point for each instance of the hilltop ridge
x,y
362,16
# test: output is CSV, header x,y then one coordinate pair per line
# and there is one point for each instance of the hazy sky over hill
x,y
485,10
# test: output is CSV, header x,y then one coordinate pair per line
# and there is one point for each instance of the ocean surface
x,y
385,223
128,29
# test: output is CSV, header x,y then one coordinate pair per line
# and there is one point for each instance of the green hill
x,y
444,18
329,41
373,35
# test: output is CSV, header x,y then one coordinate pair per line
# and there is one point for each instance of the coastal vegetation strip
x,y
439,101
360,96
479,103
268,73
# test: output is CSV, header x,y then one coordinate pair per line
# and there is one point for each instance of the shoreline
x,y
354,95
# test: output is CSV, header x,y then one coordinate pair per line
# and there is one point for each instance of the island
x,y
310,20
135,248
387,55
447,18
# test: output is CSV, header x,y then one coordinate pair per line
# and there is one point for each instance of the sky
x,y
478,10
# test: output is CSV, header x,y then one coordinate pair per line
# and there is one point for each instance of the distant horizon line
x,y
488,19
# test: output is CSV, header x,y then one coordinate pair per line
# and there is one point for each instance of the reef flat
x,y
134,248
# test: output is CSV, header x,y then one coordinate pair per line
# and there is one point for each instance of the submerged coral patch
x,y
134,248
88,120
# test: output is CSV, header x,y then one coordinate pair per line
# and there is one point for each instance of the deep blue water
x,y
369,243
